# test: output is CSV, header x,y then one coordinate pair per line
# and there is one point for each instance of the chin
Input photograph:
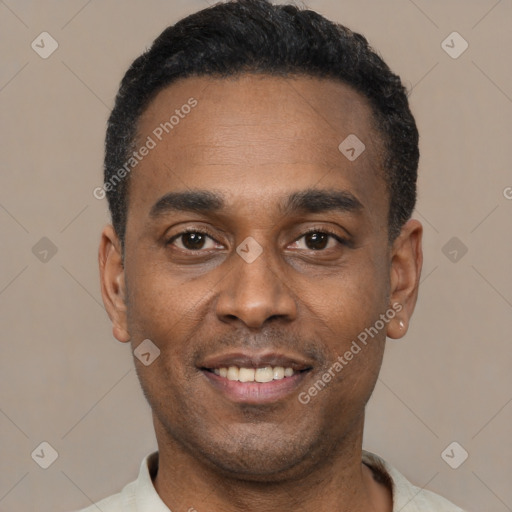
x,y
257,454
256,467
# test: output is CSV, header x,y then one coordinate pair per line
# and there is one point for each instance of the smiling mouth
x,y
260,375
256,386
256,378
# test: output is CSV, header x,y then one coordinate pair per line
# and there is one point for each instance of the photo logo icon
x,y
352,147
44,250
45,455
249,249
454,249
44,45
454,455
146,352
454,45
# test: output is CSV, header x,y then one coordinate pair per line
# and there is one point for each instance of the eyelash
x,y
190,230
324,231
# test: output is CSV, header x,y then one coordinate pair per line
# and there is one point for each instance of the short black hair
x,y
255,36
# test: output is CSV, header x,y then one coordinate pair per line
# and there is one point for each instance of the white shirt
x,y
141,496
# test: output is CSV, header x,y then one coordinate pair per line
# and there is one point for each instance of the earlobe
x,y
405,271
113,289
397,328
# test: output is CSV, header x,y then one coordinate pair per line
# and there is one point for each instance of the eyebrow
x,y
320,200
305,201
200,201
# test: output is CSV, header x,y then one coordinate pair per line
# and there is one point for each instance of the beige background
x,y
66,381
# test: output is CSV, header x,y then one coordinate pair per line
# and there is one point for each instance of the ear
x,y
113,288
406,263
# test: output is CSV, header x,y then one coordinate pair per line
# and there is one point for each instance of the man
x,y
261,170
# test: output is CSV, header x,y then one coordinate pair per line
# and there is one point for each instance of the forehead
x,y
255,137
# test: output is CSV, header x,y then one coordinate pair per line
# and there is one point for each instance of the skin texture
x,y
255,140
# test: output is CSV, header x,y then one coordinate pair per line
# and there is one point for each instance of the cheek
x,y
353,299
170,310
161,310
157,296
348,315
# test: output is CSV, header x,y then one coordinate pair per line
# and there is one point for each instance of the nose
x,y
255,293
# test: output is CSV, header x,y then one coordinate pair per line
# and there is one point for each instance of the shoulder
x,y
138,496
406,496
138,493
124,501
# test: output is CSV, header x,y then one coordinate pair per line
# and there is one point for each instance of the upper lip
x,y
244,359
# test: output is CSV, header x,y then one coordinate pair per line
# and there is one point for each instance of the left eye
x,y
317,241
192,241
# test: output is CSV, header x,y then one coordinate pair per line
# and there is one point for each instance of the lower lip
x,y
255,392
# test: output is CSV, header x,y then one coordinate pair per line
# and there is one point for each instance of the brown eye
x,y
317,241
192,241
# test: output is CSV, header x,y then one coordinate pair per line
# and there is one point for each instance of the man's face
x,y
267,148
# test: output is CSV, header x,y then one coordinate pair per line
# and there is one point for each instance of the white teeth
x,y
246,375
266,374
232,373
278,373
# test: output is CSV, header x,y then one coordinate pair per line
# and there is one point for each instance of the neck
x,y
339,483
